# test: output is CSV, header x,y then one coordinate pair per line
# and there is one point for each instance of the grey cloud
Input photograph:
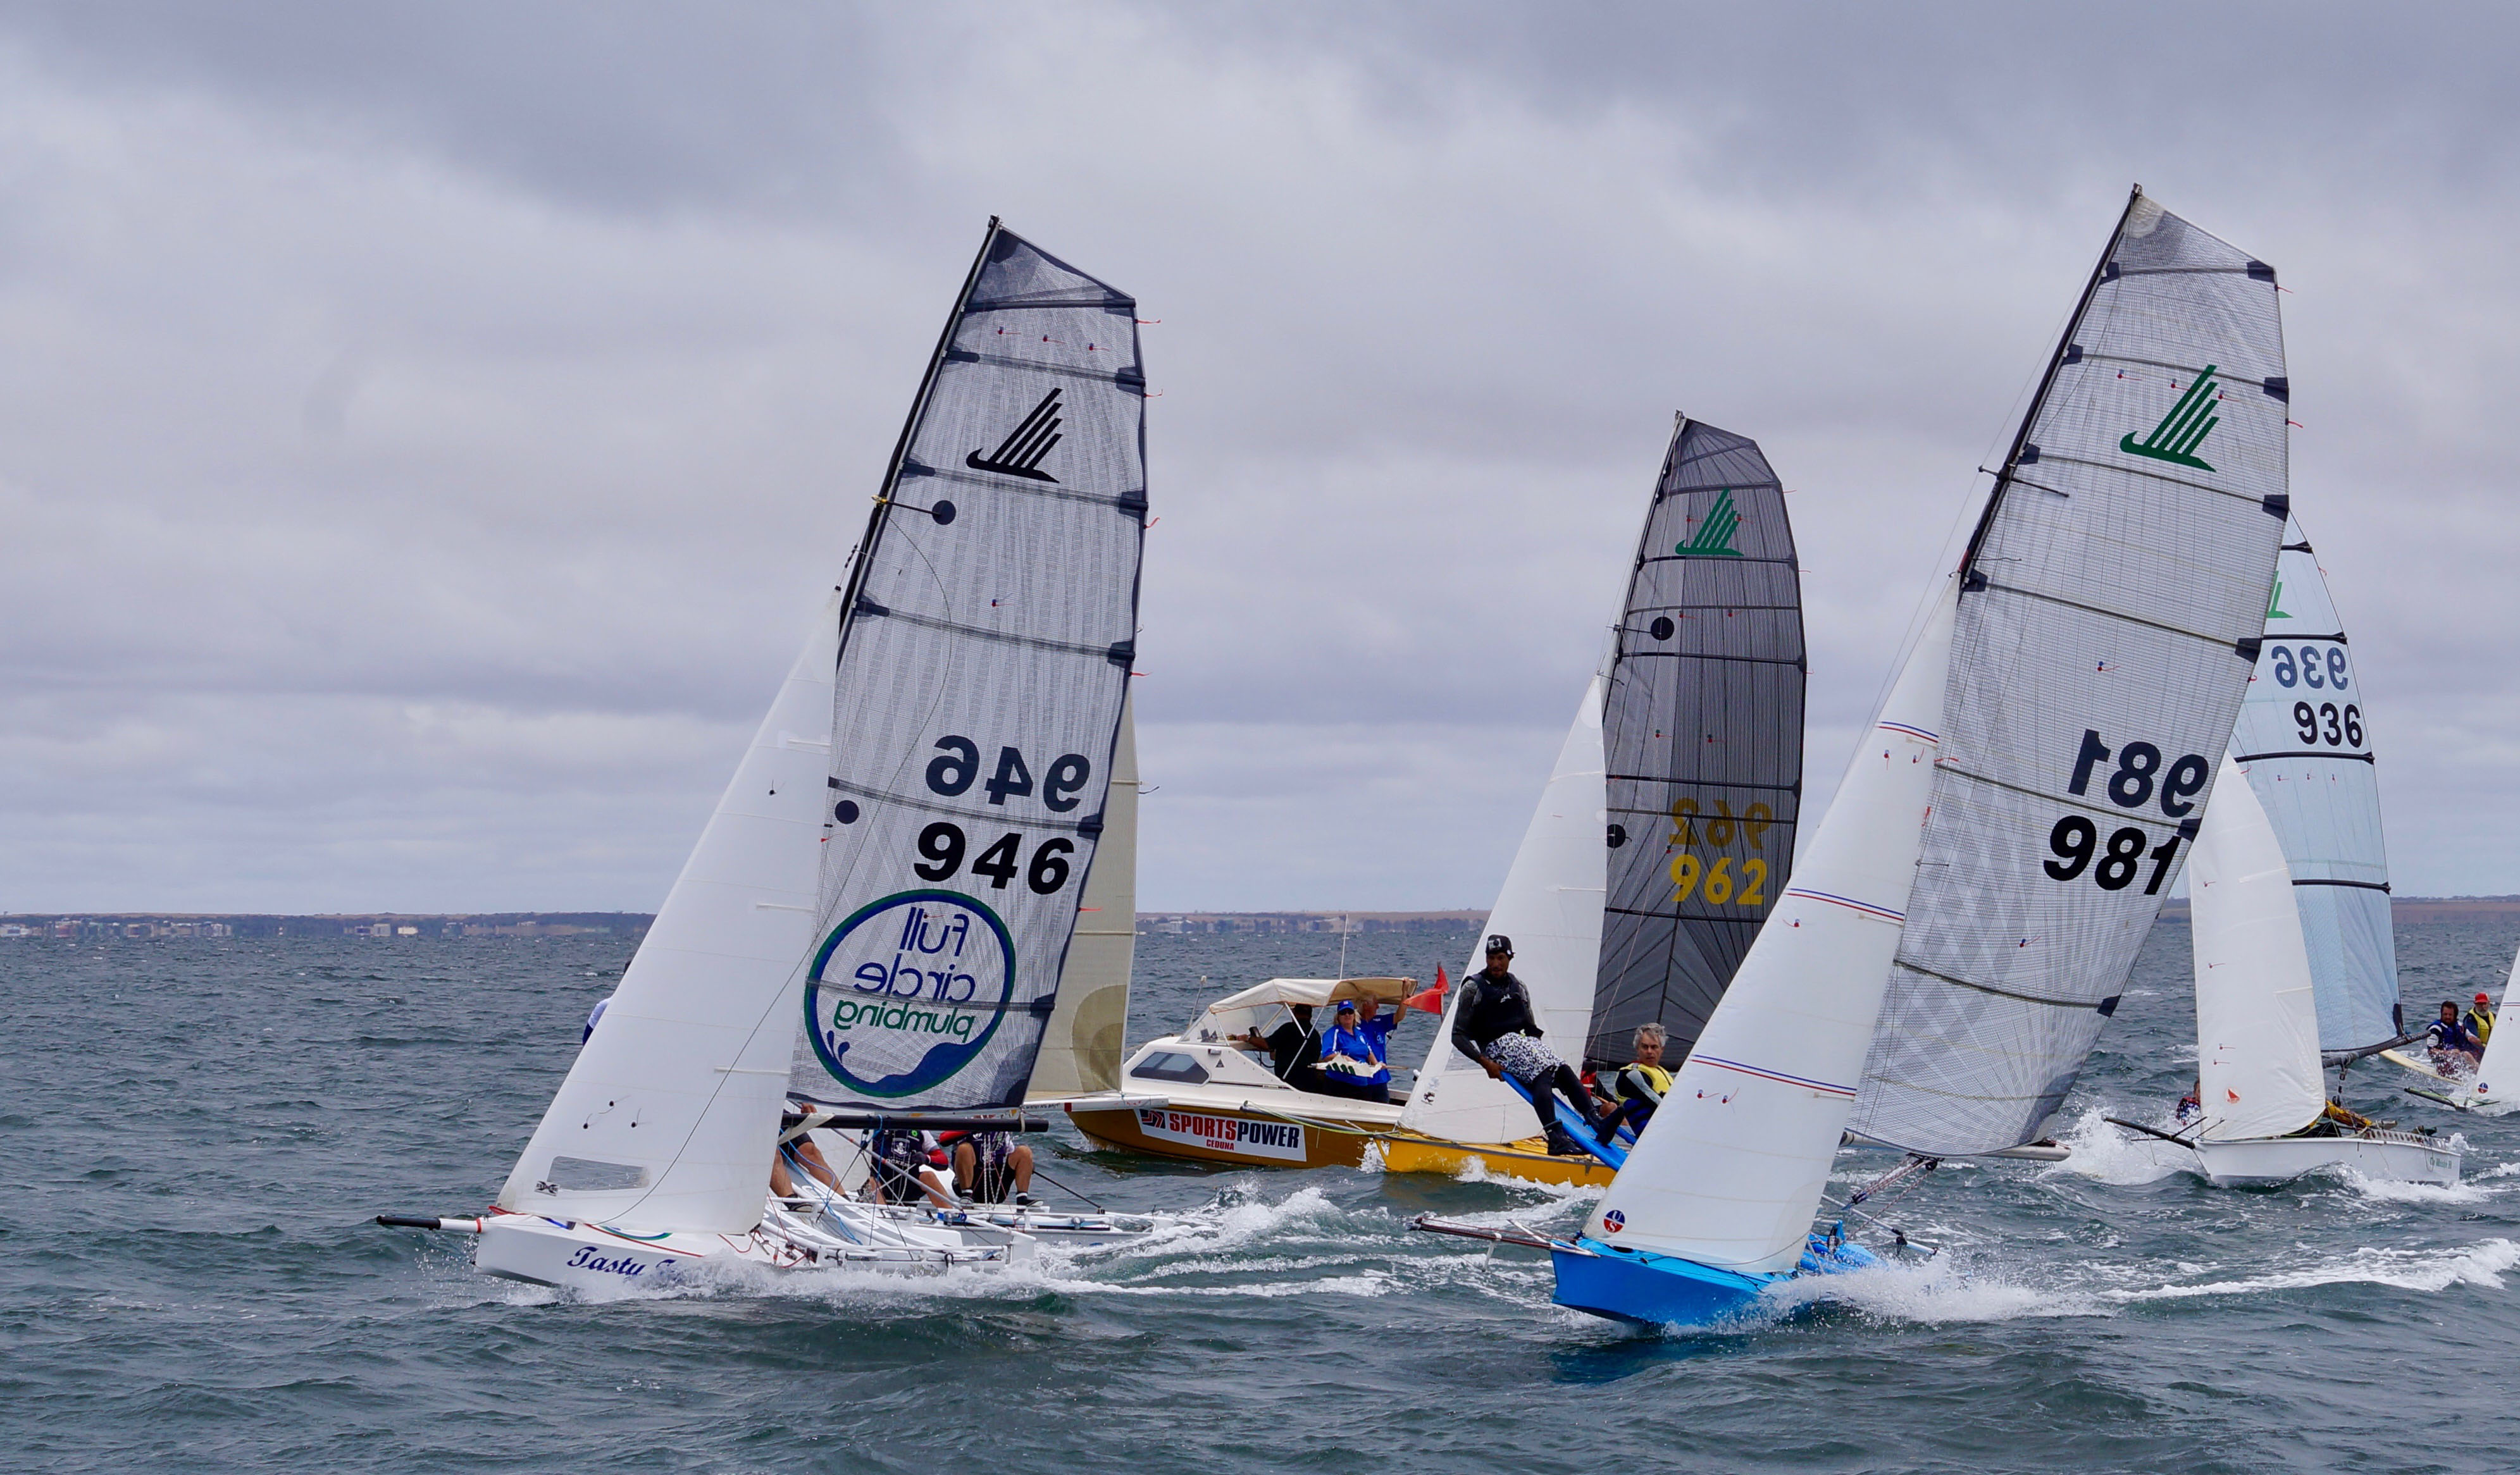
x,y
535,365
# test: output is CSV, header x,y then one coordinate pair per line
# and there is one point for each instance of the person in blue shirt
x,y
1353,1058
2455,1047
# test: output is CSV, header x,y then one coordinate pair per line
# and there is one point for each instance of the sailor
x,y
1493,1026
2453,1044
2479,1020
987,1165
597,1012
1376,1028
902,1169
2191,1105
806,1157
1352,1064
1642,1084
1294,1048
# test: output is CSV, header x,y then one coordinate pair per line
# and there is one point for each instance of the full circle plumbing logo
x,y
908,991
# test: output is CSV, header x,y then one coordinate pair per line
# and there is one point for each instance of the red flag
x,y
1432,1000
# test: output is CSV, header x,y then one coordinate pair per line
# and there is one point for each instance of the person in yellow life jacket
x,y
2479,1020
1642,1084
2344,1117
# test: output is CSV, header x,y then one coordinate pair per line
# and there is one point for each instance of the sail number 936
x,y
2138,779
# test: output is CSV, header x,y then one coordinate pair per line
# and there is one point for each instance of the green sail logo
x,y
2184,428
1714,539
2275,602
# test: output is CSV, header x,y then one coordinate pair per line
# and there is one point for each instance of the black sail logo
x,y
1021,452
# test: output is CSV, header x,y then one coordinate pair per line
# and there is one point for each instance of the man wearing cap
x,y
2479,1020
1495,1027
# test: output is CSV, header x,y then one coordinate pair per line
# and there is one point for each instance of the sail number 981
x,y
2138,779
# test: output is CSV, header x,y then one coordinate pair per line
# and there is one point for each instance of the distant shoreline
x,y
147,926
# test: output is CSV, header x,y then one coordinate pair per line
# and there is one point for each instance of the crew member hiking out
x,y
2454,1045
1493,1026
2479,1020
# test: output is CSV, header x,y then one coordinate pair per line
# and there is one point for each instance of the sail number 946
x,y
2138,780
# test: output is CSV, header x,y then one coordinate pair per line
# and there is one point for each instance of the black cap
x,y
1498,942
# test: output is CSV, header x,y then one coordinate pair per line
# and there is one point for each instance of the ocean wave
x,y
2482,1263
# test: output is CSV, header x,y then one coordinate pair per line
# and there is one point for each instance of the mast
x,y
2047,382
881,512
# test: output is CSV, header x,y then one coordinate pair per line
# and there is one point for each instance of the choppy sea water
x,y
195,1135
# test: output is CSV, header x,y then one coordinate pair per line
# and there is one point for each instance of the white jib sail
x,y
666,1120
2304,739
1550,905
1081,1051
2257,1019
2490,1069
1730,1171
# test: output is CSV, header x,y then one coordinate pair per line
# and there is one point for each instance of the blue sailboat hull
x,y
1664,1291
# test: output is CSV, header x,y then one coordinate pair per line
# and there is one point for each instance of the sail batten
x,y
2106,624
1702,735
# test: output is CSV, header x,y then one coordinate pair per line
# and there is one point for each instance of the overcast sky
x,y
426,432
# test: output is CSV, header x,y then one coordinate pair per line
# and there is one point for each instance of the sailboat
x,y
1666,832
1966,913
2498,1075
2266,1116
872,926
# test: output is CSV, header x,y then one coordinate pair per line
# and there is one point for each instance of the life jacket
x,y
2480,1023
1640,1082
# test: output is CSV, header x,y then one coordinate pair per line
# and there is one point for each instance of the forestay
x,y
1732,1167
983,663
1702,730
1550,905
2304,739
2113,599
2257,1023
666,1117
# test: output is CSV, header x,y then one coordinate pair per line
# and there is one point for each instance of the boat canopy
x,y
1239,1013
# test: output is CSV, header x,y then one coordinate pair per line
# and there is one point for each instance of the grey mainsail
x,y
2113,601
1702,728
2304,739
989,626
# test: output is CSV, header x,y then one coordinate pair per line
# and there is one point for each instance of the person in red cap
x,y
2479,1020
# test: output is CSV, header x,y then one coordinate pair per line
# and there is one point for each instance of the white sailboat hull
x,y
589,1258
2398,1157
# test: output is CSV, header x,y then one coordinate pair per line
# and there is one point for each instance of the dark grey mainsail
x,y
2112,601
989,626
1702,730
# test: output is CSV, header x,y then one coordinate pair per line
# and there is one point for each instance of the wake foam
x,y
2431,1271
2113,1156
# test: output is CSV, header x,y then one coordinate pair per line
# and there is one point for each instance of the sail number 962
x,y
2140,778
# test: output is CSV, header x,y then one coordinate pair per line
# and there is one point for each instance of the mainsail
x,y
1702,730
2113,600
989,628
2304,739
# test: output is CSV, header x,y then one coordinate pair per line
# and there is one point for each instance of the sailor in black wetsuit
x,y
1495,1027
